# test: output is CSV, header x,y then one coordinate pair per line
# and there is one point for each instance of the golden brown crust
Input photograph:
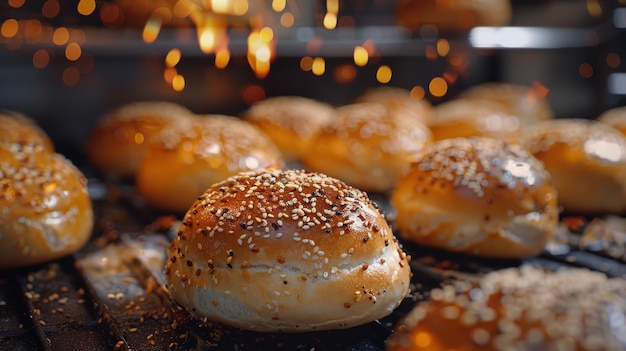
x,y
291,122
198,152
529,103
399,99
587,161
368,146
466,118
615,117
478,196
286,251
119,141
451,16
17,131
519,309
45,210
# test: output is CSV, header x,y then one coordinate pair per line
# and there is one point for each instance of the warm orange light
x,y
383,74
110,14
539,90
9,28
422,339
50,8
266,34
287,20
344,74
151,29
417,92
71,76
360,56
178,83
182,9
17,3
319,66
260,51
206,39
585,70
41,58
431,53
443,47
438,87
220,6
279,5
222,58
169,74
594,8
60,36
306,63
73,51
139,138
252,94
173,57
240,7
330,21
32,30
86,7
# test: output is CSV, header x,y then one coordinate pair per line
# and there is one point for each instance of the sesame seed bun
x,y
287,251
291,122
197,152
477,196
20,133
45,210
368,146
587,161
523,308
123,136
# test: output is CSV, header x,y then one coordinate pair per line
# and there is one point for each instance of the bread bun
x,y
291,122
587,161
368,146
529,103
615,117
288,251
523,309
466,118
399,99
477,196
198,152
45,210
119,141
452,16
20,132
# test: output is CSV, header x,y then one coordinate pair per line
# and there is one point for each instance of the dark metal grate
x,y
109,296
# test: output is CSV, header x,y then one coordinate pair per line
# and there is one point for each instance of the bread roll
x,y
587,161
522,309
452,16
291,122
529,103
466,118
615,117
120,140
368,146
45,210
399,99
198,152
17,131
477,196
288,251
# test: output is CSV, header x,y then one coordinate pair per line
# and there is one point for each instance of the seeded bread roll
x,y
291,122
477,196
466,118
197,152
368,146
529,103
587,161
20,132
522,309
288,251
615,117
400,99
45,210
120,140
452,16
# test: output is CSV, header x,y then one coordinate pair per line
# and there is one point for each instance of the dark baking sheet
x,y
109,296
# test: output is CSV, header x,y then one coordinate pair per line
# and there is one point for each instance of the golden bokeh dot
x,y
438,87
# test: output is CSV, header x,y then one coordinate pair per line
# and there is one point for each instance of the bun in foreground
x,y
288,251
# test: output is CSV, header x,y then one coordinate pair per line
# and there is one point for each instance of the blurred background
x,y
66,63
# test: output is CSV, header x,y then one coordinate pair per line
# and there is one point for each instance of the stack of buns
x,y
45,209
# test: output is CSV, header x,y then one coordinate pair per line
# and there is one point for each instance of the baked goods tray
x,y
110,294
